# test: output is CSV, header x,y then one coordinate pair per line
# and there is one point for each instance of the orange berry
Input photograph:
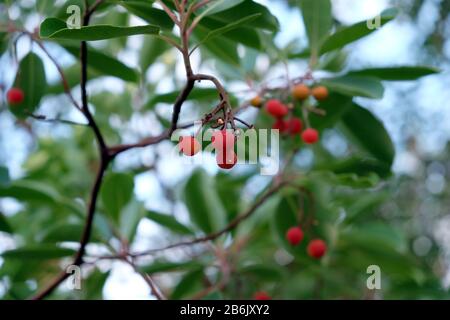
x,y
320,93
301,92
256,102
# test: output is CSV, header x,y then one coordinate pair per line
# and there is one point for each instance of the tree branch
x,y
105,159
232,225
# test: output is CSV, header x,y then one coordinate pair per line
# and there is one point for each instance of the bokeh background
x,y
416,114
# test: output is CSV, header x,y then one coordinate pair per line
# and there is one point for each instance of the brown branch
x,y
105,159
149,280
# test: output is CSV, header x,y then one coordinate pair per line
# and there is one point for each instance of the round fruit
x,y
261,295
320,93
317,248
294,126
276,108
294,235
256,102
15,96
223,140
226,160
310,136
189,146
301,92
281,125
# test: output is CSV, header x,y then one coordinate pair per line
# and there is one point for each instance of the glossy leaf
x,y
169,222
104,64
318,22
347,35
370,133
31,79
406,73
203,202
356,86
53,28
116,192
38,252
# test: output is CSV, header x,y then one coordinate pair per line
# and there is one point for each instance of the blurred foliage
x,y
344,198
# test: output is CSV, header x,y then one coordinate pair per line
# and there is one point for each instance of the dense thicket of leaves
x,y
336,196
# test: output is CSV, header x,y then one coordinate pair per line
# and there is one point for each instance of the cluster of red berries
x,y
293,126
316,248
223,142
15,96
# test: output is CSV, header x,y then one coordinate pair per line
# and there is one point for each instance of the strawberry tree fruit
x,y
223,140
294,126
276,108
310,136
320,93
261,295
317,248
226,160
189,146
301,92
294,235
256,102
281,125
15,96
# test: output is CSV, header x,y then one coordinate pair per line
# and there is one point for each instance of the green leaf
x,y
104,64
4,224
221,5
53,28
335,107
262,272
145,11
63,232
167,266
241,36
169,222
189,284
358,165
151,50
203,202
31,79
25,190
198,94
117,191
356,86
318,21
404,73
130,218
369,133
266,21
38,252
349,34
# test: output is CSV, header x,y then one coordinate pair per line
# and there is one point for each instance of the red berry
x,y
226,160
317,248
294,126
223,140
281,125
261,295
189,146
294,235
15,96
276,108
310,136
